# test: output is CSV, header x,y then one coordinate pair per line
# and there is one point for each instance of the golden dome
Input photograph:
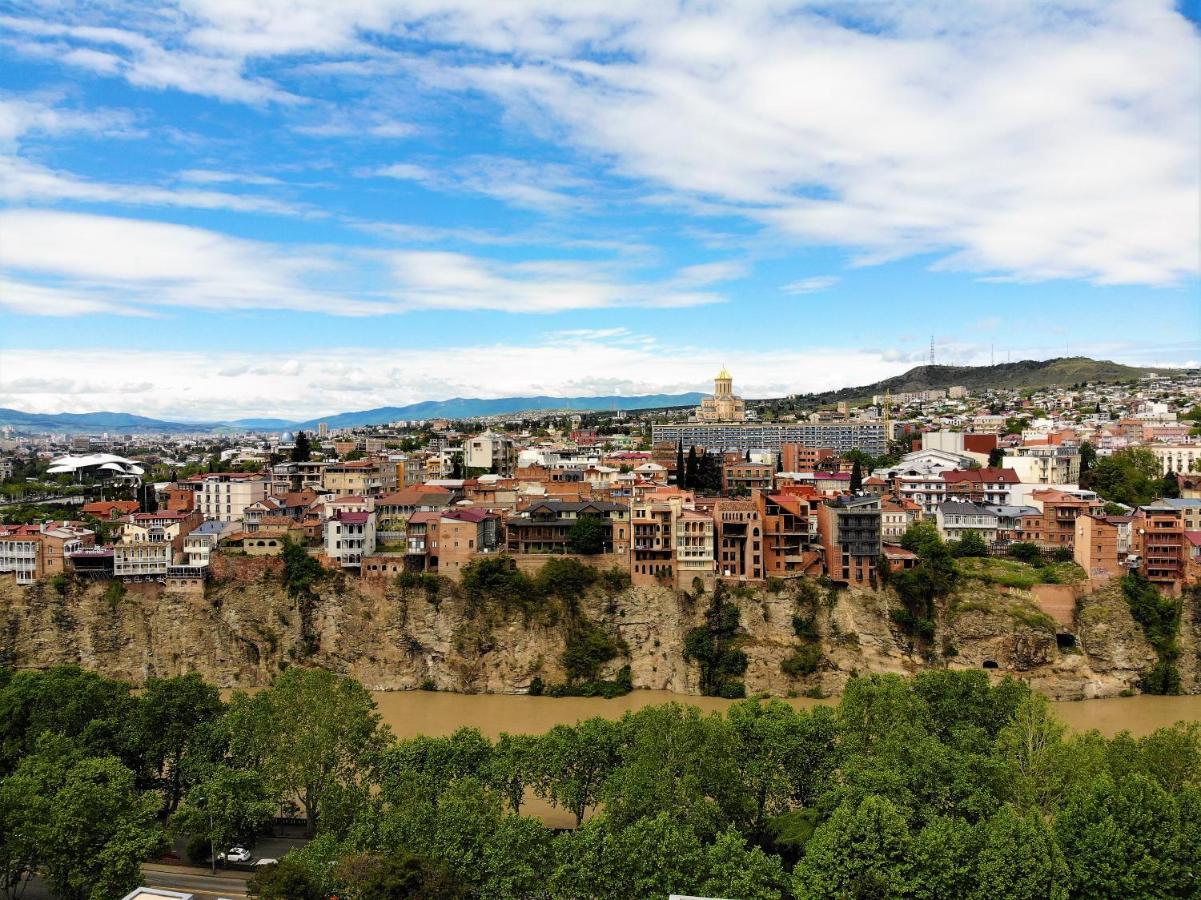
x,y
723,375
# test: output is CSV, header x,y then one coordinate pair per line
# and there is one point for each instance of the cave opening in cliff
x,y
1065,641
991,664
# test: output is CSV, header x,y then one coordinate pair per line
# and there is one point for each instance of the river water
x,y
425,712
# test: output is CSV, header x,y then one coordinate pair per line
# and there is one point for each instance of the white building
x,y
224,495
1176,457
955,518
492,452
349,536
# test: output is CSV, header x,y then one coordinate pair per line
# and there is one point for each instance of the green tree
x,y
226,806
290,879
714,648
1019,859
166,719
311,734
1171,486
302,450
1088,456
996,457
513,766
1129,476
589,535
681,472
575,762
856,477
1030,746
690,469
862,851
91,825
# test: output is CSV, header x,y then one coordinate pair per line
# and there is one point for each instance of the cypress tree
x,y
856,477
679,463
690,471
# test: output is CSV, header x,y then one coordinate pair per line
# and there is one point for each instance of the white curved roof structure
x,y
107,462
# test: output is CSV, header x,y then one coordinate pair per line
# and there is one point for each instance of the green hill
x,y
1028,373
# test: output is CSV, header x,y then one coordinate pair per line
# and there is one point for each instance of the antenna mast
x,y
931,349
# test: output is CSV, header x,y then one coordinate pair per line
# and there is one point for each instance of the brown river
x,y
426,712
410,713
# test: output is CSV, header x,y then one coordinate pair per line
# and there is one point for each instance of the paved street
x,y
196,881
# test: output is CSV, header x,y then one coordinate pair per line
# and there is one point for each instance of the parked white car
x,y
234,854
267,861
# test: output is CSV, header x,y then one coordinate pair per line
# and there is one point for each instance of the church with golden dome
x,y
723,406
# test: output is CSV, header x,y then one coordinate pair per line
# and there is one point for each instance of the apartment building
x,y
545,525
741,478
991,486
34,552
896,515
359,478
224,495
349,536
871,437
1054,525
738,539
459,535
1095,547
799,458
1158,542
151,543
1178,458
790,538
1045,464
849,531
491,452
955,518
672,543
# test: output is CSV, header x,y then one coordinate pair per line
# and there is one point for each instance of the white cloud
x,y
545,187
86,261
810,285
197,385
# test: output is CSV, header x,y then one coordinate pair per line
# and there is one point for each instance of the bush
x,y
114,594
589,647
615,580
1159,617
971,544
59,583
566,579
497,579
805,627
537,686
1025,552
198,849
802,661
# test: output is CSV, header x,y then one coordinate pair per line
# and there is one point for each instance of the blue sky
x,y
220,209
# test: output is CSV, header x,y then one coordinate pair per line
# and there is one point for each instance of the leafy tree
x,y
856,477
1088,456
996,457
862,851
290,879
166,720
66,701
1019,859
399,876
226,806
91,825
1171,486
1127,476
576,760
588,648
513,767
589,535
971,544
302,450
714,647
1159,618
1031,746
311,734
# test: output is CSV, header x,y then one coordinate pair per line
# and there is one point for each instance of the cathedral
x,y
723,406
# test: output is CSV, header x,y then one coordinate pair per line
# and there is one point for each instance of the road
x,y
197,882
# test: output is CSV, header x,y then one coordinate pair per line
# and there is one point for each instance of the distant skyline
x,y
281,209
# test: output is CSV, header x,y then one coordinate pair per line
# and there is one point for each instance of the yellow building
x,y
723,406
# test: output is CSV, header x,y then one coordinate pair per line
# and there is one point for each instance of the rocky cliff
x,y
244,628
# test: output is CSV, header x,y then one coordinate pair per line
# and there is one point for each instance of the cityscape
x,y
474,450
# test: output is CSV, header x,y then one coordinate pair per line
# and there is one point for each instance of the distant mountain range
x,y
456,408
1028,373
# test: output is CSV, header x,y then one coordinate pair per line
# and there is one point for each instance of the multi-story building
x,y
790,537
545,525
491,452
672,543
1178,458
33,552
359,478
741,477
1054,526
994,487
1095,547
871,437
459,535
799,458
1045,464
955,518
738,539
896,515
849,530
224,495
109,509
1158,543
349,536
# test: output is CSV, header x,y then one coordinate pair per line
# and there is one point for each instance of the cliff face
x,y
245,628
